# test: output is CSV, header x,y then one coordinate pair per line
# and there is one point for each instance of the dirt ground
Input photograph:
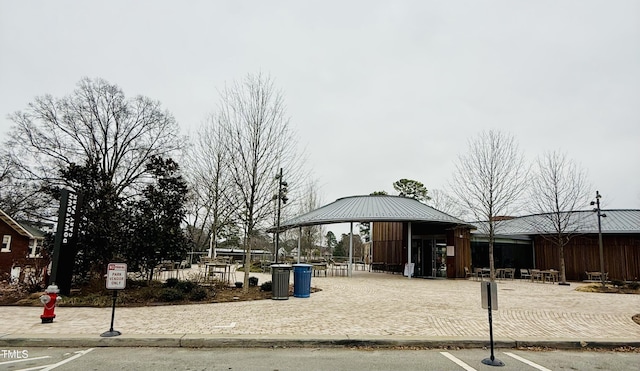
x,y
10,295
134,296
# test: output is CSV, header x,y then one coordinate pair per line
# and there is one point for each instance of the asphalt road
x,y
114,358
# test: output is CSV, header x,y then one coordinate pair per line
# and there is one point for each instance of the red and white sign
x,y
116,276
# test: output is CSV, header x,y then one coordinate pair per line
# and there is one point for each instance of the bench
x,y
596,276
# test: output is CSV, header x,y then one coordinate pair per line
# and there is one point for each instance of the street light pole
x,y
282,198
600,216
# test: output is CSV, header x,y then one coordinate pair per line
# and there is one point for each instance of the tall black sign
x,y
64,245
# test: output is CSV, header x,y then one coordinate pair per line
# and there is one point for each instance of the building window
x,y
35,248
6,243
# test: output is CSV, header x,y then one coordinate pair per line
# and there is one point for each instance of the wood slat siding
x,y
621,256
387,239
462,246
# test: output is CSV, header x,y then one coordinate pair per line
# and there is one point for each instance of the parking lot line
x,y
524,360
23,360
458,361
78,355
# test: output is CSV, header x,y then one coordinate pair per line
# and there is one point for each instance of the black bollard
x,y
111,331
491,361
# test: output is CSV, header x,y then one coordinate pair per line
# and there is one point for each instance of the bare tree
x,y
489,181
558,189
442,201
20,198
5,168
207,169
311,235
260,142
96,124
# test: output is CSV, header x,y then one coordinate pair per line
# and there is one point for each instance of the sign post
x,y
116,280
489,293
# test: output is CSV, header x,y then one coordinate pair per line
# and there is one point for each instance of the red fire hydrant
x,y
49,300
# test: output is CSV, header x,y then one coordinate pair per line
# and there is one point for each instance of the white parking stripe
x,y
52,366
524,360
23,360
458,362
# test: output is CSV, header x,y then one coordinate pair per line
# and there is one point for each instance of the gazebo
x,y
439,242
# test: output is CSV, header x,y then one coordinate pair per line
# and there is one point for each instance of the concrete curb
x,y
287,341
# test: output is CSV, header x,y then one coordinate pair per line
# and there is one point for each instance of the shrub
x,y
198,294
171,282
185,286
147,293
131,284
617,283
266,286
634,285
253,281
170,294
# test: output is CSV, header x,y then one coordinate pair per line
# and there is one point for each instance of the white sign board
x,y
451,251
116,276
484,292
408,269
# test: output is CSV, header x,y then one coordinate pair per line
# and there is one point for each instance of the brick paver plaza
x,y
365,305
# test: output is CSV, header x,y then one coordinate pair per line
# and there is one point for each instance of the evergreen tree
x,y
412,189
156,230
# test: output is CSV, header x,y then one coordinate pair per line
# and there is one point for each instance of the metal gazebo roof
x,y
374,208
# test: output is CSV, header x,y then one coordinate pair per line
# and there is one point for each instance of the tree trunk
x,y
563,275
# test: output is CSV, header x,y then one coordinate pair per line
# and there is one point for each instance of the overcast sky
x,y
376,90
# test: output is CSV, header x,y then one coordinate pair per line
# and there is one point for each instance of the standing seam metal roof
x,y
585,221
374,208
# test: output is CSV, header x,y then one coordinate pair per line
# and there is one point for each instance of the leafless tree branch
x,y
490,181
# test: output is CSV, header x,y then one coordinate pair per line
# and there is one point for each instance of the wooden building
x,y
521,242
442,246
437,249
440,242
528,242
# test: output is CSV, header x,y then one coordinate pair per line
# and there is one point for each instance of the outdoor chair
x,y
537,275
232,273
524,273
509,273
467,272
480,273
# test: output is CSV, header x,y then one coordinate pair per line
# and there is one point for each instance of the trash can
x,y
302,280
280,281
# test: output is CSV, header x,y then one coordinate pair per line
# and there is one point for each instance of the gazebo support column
x,y
350,267
409,270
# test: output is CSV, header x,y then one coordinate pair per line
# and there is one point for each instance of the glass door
x,y
418,257
429,253
439,259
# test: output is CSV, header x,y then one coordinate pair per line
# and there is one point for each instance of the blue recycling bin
x,y
302,280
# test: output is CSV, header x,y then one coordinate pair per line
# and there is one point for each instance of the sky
x,y
375,90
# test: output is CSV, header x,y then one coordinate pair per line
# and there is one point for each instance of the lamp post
x,y
600,216
282,199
